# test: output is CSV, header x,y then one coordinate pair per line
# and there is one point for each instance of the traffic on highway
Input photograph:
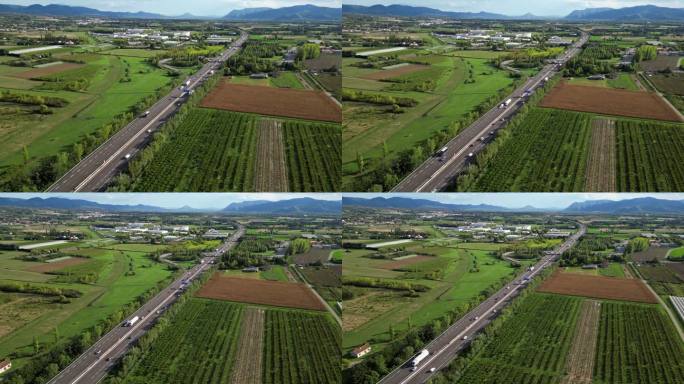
x,y
438,171
445,347
96,171
95,362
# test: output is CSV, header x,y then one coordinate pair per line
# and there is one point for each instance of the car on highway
x,y
433,369
127,156
145,114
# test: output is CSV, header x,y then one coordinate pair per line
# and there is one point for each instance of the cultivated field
x,y
275,293
248,360
599,287
313,255
637,344
580,360
300,348
678,268
650,254
37,73
395,72
650,157
608,101
600,175
313,153
403,263
57,265
295,103
271,168
531,346
203,331
209,151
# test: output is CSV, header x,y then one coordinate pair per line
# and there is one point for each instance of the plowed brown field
x,y
57,265
39,72
276,293
247,369
580,362
295,103
599,287
609,101
404,262
390,73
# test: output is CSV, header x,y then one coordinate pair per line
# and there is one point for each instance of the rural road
x,y
439,171
445,347
96,171
93,365
320,298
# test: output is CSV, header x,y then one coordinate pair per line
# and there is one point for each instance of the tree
x,y
26,154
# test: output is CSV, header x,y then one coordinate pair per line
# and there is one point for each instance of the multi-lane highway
x,y
445,347
439,171
96,171
93,364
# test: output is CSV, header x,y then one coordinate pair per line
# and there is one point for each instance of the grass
x,y
133,52
275,273
286,80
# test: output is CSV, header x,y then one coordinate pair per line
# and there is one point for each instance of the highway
x,y
96,171
445,347
440,170
93,365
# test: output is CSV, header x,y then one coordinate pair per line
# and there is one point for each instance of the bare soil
x,y
275,293
600,176
608,101
247,369
580,362
599,287
45,71
295,103
271,172
57,265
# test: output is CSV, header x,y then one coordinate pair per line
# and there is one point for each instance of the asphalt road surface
x,y
440,170
445,347
93,365
96,171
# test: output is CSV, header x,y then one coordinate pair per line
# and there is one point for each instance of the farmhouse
x,y
361,350
5,365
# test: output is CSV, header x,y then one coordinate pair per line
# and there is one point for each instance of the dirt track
x,y
580,362
276,293
295,103
599,287
57,265
396,72
45,71
271,172
607,101
600,176
247,369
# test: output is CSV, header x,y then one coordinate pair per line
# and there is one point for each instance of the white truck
x,y
187,83
442,151
419,357
131,321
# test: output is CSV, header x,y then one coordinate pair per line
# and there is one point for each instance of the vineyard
x,y
313,153
210,151
300,347
650,157
545,152
199,346
529,347
637,344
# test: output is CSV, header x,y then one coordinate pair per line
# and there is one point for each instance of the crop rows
x,y
545,152
650,157
313,153
637,344
531,346
300,347
198,347
211,151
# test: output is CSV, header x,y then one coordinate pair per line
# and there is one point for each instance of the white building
x,y
5,366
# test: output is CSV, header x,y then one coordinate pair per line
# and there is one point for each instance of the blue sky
x,y
518,200
177,7
175,200
519,7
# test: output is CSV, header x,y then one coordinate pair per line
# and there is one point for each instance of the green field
x,y
211,150
300,347
637,344
531,157
275,273
203,331
118,278
313,156
451,278
530,346
650,156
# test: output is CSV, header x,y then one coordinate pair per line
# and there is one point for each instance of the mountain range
x,y
645,205
297,206
641,13
291,14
